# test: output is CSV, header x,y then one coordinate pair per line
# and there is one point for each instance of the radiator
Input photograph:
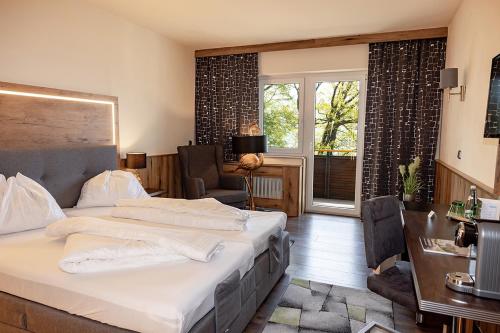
x,y
268,187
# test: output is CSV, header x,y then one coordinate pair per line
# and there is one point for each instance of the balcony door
x,y
333,141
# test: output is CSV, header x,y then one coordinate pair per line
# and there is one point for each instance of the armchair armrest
x,y
232,182
195,188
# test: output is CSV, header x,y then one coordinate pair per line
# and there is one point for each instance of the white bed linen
x,y
259,227
95,245
164,298
204,214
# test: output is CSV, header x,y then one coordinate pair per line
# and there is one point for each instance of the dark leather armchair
x,y
203,177
384,238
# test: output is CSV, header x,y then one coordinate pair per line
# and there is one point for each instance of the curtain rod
x,y
327,42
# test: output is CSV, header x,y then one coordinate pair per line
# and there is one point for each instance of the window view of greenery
x,y
336,118
281,115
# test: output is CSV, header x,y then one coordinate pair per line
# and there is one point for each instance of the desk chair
x,y
384,238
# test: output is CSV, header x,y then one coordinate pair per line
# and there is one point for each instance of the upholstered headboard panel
x,y
62,171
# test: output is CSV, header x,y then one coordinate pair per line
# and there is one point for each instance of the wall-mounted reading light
x,y
448,79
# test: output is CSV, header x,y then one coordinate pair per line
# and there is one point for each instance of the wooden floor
x,y
328,249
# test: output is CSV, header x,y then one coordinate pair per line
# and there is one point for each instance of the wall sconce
x,y
448,79
134,162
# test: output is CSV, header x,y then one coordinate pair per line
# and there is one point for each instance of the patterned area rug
x,y
309,306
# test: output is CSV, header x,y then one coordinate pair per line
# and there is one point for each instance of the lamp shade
x,y
448,78
249,144
136,160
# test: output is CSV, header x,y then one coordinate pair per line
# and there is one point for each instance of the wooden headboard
x,y
34,117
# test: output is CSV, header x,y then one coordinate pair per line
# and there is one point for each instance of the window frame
x,y
277,79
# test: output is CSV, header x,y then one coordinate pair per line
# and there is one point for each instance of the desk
x,y
429,271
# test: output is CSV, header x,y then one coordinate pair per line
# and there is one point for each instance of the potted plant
x,y
411,183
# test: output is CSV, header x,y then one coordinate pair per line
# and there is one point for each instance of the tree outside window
x,y
281,115
336,118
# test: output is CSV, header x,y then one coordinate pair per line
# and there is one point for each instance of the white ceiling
x,y
215,23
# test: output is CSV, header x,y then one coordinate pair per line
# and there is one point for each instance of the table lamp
x,y
251,148
134,162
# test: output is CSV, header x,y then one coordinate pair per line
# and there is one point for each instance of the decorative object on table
x,y
135,162
448,79
320,307
203,176
486,280
492,126
251,148
411,183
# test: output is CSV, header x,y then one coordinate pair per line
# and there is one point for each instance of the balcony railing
x,y
334,175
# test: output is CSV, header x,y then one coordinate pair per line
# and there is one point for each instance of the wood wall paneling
x,y
454,185
33,117
327,42
163,173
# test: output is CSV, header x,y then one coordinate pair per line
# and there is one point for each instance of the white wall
x,y
473,40
338,58
73,45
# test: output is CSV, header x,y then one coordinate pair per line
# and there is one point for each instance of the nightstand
x,y
155,192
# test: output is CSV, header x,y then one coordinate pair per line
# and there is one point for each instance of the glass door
x,y
334,135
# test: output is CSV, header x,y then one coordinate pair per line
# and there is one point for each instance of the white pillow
x,y
105,189
25,205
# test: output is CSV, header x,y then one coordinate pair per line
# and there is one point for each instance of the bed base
x,y
236,301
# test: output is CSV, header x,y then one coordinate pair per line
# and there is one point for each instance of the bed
x,y
260,226
36,297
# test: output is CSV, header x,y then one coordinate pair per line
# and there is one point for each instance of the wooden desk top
x,y
429,270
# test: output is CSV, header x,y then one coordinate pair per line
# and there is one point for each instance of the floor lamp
x,y
251,148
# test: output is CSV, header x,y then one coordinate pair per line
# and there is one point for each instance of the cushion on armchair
x,y
232,182
227,196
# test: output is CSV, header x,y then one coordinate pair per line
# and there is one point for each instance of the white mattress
x,y
259,227
162,298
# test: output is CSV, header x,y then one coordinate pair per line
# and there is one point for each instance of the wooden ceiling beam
x,y
327,42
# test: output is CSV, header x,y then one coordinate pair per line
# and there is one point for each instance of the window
x,y
336,117
281,114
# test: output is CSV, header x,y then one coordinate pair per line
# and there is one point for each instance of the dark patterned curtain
x,y
226,98
402,114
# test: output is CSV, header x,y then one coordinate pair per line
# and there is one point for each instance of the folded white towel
x,y
203,213
94,245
